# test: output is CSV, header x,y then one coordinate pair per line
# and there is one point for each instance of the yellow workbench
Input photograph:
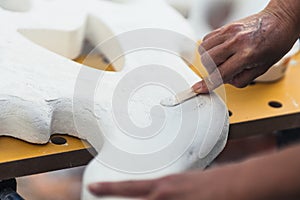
x,y
19,158
262,108
251,109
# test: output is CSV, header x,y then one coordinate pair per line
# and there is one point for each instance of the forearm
x,y
271,177
288,11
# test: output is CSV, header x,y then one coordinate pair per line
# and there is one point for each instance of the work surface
x,y
266,107
18,158
256,109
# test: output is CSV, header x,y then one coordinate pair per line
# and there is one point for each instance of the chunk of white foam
x,y
42,92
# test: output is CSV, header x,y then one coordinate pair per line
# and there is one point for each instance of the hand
x,y
247,48
197,185
275,176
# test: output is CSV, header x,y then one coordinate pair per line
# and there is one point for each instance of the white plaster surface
x,y
44,80
37,87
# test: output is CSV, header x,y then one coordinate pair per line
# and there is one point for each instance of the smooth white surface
x,y
194,157
16,5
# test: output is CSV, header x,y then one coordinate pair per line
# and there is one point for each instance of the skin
x,y
246,49
260,178
242,51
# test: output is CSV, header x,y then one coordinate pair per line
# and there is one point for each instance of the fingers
x,y
171,187
209,83
217,56
200,88
212,42
220,35
213,81
240,80
222,74
211,34
229,69
245,77
229,55
164,193
125,189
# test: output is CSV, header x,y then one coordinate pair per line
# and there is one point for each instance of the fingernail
x,y
197,88
200,88
198,91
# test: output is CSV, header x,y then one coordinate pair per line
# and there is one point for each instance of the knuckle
x,y
206,37
239,38
228,46
231,43
211,34
232,28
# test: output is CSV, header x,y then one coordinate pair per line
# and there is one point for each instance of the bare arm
x,y
272,177
268,177
245,49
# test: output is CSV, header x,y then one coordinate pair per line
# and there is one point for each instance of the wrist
x,y
287,12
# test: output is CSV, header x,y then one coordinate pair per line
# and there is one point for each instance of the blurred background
x,y
207,15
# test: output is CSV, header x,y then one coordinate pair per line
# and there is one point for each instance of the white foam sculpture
x,y
38,85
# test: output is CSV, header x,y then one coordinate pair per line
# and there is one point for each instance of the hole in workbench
x,y
275,104
58,140
229,113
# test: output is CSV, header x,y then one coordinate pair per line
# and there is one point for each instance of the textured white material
x,y
37,86
178,98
